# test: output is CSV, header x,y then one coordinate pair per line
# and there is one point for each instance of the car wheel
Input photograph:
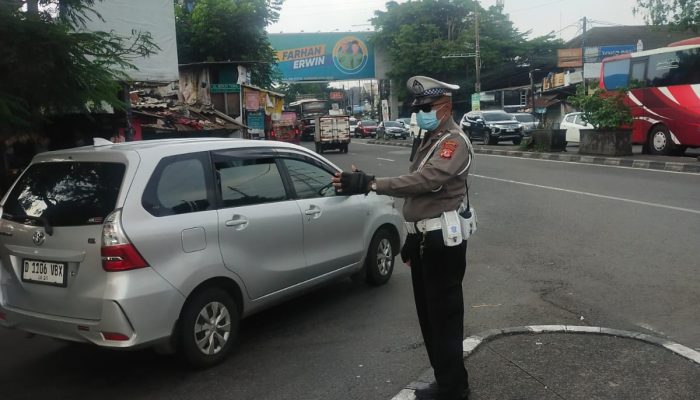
x,y
517,141
660,142
345,149
488,139
209,327
380,258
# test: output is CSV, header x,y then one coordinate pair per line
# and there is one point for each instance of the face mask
x,y
428,120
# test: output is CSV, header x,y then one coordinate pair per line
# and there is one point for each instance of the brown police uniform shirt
x,y
437,187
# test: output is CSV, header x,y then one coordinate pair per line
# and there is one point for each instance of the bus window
x,y
616,74
638,77
677,68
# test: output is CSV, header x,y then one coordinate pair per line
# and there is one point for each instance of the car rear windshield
x,y
65,193
391,124
369,122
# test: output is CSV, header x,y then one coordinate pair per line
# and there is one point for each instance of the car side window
x,y
178,186
570,118
309,180
243,181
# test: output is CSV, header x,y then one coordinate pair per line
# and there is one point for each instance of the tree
x,y
417,34
680,14
228,30
52,66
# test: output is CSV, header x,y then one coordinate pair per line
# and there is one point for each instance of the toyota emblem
x,y
38,238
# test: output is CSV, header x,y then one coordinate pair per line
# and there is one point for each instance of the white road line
x,y
601,196
385,159
663,171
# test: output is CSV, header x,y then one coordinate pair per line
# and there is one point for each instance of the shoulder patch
x,y
447,148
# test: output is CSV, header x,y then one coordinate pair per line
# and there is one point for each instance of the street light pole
x,y
477,53
532,91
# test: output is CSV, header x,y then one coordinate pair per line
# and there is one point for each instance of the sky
x,y
538,16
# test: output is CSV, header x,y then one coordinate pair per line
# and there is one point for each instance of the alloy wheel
x,y
385,257
212,328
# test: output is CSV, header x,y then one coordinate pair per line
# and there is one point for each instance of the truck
x,y
332,132
307,110
286,128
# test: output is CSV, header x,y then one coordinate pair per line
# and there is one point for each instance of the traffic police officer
x,y
436,183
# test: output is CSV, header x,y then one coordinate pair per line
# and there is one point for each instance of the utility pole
x,y
477,53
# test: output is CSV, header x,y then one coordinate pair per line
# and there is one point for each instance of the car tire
x,y
379,264
488,139
345,149
660,142
205,344
517,141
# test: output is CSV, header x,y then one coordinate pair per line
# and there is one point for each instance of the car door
x,y
260,226
333,226
572,133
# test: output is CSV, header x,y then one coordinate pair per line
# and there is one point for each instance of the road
x,y
557,243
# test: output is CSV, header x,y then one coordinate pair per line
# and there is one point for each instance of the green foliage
x,y
417,34
603,110
681,14
51,66
228,30
292,91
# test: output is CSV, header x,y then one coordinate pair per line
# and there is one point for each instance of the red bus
x,y
663,92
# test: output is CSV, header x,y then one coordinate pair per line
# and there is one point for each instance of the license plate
x,y
510,130
46,272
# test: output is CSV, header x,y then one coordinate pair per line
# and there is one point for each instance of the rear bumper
x,y
141,317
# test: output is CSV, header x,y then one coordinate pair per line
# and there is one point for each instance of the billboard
x,y
569,58
332,56
154,16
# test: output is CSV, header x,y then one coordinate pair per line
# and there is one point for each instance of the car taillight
x,y
118,254
2,316
273,134
114,336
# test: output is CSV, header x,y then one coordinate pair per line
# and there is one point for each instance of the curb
x,y
579,158
470,344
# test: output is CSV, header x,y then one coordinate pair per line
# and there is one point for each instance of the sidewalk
x,y
574,362
689,163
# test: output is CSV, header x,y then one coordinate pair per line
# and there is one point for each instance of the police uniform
x,y
436,182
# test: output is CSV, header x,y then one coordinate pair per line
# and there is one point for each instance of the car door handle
x,y
239,223
312,211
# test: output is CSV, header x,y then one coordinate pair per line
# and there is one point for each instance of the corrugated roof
x,y
652,37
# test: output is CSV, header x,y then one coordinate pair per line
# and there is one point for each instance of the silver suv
x,y
170,243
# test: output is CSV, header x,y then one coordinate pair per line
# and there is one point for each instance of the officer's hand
x,y
349,183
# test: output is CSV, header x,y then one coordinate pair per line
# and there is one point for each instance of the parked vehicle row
x,y
170,243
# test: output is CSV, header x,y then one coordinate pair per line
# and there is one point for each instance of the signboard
x,y
332,56
255,120
225,88
252,99
570,58
598,53
336,95
476,102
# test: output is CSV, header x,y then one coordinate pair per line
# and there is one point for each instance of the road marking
x,y
385,159
600,196
591,164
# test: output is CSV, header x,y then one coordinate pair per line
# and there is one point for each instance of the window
x,y
616,74
675,68
309,180
638,76
65,193
247,180
571,118
178,186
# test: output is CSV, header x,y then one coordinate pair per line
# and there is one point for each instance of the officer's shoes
x,y
432,392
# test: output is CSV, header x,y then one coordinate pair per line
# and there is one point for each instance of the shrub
x,y
602,109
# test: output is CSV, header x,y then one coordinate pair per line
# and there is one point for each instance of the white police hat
x,y
426,90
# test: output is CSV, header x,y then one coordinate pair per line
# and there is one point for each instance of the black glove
x,y
355,182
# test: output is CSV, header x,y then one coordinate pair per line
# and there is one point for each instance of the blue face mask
x,y
427,120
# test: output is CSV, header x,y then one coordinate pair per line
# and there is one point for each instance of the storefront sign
x,y
476,102
225,88
569,58
252,99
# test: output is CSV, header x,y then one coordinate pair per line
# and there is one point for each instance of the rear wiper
x,y
44,222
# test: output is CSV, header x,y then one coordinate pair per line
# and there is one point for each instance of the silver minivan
x,y
170,243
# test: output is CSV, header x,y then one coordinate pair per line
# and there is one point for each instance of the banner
x,y
333,56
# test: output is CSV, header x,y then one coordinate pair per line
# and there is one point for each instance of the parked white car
x,y
573,123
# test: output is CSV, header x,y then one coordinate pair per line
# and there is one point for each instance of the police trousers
x,y
437,272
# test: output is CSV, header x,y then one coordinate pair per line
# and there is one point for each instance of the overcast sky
x,y
538,16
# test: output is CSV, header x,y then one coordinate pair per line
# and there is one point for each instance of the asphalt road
x,y
557,244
